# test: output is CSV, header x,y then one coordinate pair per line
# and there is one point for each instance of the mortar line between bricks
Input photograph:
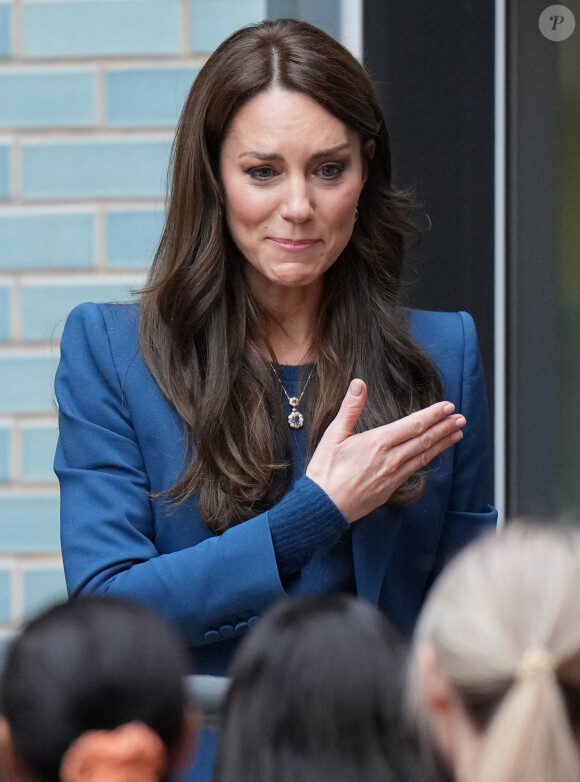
x,y
91,65
17,455
187,58
18,592
101,97
66,133
27,421
60,279
16,172
31,350
17,332
69,208
79,275
36,488
17,28
121,201
47,559
28,418
26,68
32,489
100,246
6,563
185,25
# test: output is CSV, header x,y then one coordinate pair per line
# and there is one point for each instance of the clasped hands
x,y
360,472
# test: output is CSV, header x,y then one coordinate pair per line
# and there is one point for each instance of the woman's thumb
x,y
350,410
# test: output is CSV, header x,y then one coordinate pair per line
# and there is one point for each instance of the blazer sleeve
x,y
468,512
211,589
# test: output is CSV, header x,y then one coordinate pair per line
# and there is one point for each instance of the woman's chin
x,y
289,283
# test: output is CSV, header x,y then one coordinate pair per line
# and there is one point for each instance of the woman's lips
x,y
293,245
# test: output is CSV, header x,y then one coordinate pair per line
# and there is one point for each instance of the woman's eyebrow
x,y
264,156
331,151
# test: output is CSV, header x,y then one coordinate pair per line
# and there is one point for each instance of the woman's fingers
x,y
360,472
404,429
415,425
402,460
404,439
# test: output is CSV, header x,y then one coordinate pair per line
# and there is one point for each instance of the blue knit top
x,y
311,537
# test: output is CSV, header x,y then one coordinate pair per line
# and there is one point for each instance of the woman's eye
x,y
331,170
261,173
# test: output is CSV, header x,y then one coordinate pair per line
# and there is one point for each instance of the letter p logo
x,y
557,22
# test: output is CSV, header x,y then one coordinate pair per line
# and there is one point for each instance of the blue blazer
x,y
121,440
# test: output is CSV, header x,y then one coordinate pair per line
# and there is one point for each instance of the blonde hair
x,y
504,623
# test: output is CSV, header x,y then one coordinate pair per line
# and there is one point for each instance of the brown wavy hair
x,y
200,325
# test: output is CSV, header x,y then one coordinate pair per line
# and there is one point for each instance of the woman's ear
x,y
435,688
185,752
12,767
369,147
367,152
453,731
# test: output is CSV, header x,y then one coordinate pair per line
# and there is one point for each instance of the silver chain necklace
x,y
295,419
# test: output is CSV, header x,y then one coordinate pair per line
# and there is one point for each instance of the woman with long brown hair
x,y
268,420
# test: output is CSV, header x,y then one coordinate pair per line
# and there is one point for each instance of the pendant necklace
x,y
295,419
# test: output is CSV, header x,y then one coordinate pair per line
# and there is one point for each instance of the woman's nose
x,y
297,202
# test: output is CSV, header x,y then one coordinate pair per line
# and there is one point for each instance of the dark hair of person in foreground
x,y
91,664
315,694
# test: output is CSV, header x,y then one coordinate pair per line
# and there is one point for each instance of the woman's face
x,y
292,174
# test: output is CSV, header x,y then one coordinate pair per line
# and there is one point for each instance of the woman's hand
x,y
360,472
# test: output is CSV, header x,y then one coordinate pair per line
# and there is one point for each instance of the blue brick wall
x,y
132,236
101,28
43,586
35,240
147,96
29,523
214,20
26,382
46,305
90,91
44,98
89,169
38,446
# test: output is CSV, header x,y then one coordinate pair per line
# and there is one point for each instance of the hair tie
x,y
130,753
536,661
